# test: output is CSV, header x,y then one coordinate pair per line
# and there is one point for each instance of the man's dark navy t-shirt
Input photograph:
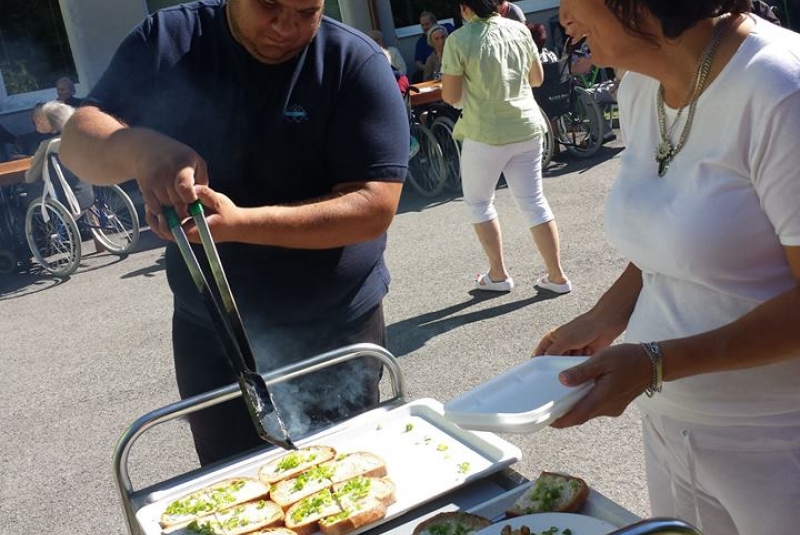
x,y
270,135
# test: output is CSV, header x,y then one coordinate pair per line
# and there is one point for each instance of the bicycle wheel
x,y
113,220
548,142
53,237
580,130
442,129
427,168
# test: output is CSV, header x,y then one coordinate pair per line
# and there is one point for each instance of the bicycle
x,y
53,228
427,171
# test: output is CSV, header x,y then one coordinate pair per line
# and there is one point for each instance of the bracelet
x,y
653,352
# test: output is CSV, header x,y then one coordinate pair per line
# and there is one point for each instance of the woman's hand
x,y
582,336
620,374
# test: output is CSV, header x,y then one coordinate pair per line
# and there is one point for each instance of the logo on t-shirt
x,y
295,114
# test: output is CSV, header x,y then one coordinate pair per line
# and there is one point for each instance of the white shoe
x,y
483,282
543,283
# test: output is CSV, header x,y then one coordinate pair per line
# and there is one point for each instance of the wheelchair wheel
x,y
427,171
113,220
53,237
442,129
548,142
581,129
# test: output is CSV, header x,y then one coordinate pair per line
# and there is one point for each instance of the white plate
x,y
577,524
522,400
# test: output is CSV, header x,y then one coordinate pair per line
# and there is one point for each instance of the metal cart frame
x,y
128,495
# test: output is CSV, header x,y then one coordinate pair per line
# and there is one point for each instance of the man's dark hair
x,y
482,8
676,16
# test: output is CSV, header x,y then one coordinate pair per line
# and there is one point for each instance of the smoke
x,y
317,400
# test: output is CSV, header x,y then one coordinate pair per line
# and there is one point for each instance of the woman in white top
x,y
707,209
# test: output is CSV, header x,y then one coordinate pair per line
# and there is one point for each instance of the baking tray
x,y
426,457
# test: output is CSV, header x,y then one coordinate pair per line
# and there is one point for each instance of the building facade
x,y
94,29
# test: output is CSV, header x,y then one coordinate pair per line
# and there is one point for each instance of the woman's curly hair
x,y
676,16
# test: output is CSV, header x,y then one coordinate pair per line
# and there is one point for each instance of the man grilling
x,y
288,127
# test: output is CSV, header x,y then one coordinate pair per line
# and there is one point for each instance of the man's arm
x,y
101,150
354,212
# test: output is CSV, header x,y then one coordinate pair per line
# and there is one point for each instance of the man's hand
x,y
167,172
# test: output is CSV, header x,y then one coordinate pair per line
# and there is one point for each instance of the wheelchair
x,y
575,120
427,169
442,120
56,222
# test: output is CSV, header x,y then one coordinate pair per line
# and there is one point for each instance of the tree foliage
x,y
34,49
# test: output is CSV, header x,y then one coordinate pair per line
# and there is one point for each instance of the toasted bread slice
x,y
250,516
289,491
303,517
360,463
359,513
212,499
349,493
551,493
452,523
325,475
291,464
346,506
274,531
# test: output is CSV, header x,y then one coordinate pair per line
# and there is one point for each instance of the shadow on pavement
x,y
407,336
32,280
148,271
565,163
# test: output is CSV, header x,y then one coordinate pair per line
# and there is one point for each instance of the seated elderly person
x,y
437,35
49,119
392,52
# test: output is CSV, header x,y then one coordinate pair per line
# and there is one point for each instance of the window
x,y
406,12
34,49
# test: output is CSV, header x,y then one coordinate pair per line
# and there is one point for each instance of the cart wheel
x,y
8,262
53,237
113,219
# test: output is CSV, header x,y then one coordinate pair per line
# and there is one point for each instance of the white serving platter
x,y
542,522
523,399
426,456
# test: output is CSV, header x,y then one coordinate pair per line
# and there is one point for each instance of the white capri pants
x,y
521,163
727,480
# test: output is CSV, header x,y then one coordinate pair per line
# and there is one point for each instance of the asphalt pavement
x,y
83,358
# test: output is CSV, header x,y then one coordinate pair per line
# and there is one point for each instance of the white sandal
x,y
544,283
483,282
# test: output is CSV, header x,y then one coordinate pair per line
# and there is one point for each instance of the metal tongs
x,y
228,322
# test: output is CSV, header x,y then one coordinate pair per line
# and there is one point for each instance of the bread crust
x,y
452,522
571,493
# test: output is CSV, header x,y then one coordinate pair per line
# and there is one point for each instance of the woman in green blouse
x,y
489,67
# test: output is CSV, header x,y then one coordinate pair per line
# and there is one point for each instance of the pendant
x,y
664,154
